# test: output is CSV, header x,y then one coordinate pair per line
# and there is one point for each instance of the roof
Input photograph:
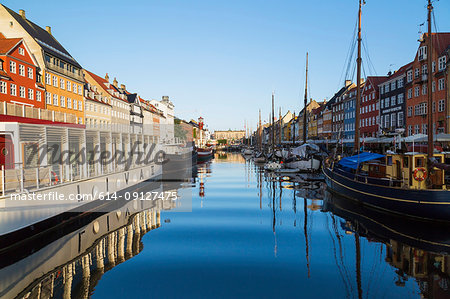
x,y
441,41
7,44
43,38
104,83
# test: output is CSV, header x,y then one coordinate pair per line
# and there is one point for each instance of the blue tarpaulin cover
x,y
354,161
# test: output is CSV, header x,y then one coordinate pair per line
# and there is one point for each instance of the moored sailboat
x,y
408,184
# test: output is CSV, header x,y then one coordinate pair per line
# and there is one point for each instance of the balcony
x,y
54,67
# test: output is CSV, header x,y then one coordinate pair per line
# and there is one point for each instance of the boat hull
x,y
424,204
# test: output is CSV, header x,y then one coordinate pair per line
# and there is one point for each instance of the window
x,y
62,84
400,98
393,120
12,67
69,86
441,105
22,91
400,83
424,128
410,132
424,69
441,84
30,94
442,62
409,76
22,70
55,81
416,129
386,121
3,87
30,73
21,51
62,100
48,98
424,89
69,103
48,79
410,93
416,91
75,105
393,102
38,96
416,73
422,53
410,108
400,119
55,100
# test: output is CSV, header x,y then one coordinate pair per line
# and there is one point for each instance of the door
x,y
6,152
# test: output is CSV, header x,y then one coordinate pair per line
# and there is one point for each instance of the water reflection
x,y
250,234
71,264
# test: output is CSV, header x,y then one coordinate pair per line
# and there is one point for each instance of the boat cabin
x,y
411,168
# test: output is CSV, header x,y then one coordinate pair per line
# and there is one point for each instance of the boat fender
x,y
54,179
420,174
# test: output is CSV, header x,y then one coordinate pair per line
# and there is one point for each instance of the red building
x,y
417,90
370,106
19,80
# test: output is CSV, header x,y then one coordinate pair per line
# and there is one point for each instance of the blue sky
x,y
222,59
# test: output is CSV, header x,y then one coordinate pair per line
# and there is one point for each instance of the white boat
x,y
311,164
272,166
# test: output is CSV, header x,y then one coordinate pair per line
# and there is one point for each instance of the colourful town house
x,y
21,93
61,73
417,89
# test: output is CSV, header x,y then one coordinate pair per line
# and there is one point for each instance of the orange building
x,y
61,73
19,81
416,86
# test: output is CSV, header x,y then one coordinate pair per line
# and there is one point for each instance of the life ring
x,y
422,177
54,178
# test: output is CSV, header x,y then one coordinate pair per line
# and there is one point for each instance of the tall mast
x,y
273,121
279,127
259,131
358,83
305,101
429,87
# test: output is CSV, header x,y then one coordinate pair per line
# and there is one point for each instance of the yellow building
x,y
61,73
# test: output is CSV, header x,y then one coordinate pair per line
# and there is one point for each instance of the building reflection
x,y
431,270
71,266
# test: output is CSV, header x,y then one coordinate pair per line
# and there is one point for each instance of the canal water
x,y
252,234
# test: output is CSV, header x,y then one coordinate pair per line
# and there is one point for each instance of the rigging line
x,y
366,51
336,260
348,56
341,254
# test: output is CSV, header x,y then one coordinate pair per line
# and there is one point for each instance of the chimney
x,y
115,83
122,86
48,29
107,77
22,13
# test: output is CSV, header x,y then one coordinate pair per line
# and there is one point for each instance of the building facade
x,y
61,73
417,89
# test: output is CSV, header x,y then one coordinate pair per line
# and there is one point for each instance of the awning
x,y
354,161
